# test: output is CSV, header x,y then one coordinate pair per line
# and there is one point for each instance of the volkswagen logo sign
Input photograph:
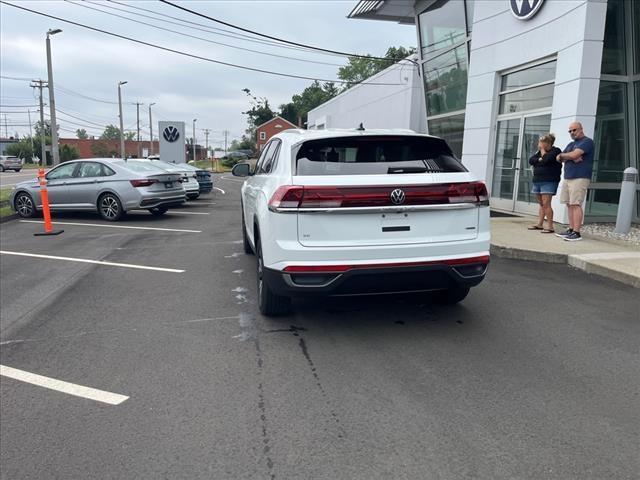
x,y
171,134
525,9
397,196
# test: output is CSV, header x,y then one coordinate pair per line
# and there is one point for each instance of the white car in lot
x,y
362,212
189,176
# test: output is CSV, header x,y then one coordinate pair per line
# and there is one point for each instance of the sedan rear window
x,y
375,155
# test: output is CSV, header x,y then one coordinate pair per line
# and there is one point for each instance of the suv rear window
x,y
375,155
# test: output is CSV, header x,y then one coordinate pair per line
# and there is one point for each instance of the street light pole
x,y
150,131
194,139
55,152
122,152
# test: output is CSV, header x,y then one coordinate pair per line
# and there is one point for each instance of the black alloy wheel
x,y
269,303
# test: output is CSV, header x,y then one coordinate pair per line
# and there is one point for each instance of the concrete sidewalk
x,y
609,258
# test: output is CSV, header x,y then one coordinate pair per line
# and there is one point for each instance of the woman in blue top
x,y
546,177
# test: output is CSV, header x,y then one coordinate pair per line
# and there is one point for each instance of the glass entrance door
x,y
516,140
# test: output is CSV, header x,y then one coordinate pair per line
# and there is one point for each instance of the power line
x,y
15,78
186,54
310,47
194,36
68,91
213,30
17,106
81,119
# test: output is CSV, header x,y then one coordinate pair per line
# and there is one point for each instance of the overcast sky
x,y
91,63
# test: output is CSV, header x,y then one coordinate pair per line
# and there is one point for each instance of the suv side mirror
x,y
241,170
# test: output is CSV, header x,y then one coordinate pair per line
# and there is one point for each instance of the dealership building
x,y
492,76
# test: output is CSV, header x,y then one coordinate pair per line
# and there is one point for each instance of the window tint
x,y
90,169
375,155
272,158
63,171
266,155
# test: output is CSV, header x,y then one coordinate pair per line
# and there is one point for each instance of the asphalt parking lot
x,y
534,375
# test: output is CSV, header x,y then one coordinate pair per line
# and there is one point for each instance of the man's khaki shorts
x,y
574,190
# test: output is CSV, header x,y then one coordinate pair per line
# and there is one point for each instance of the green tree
x,y
21,149
99,149
361,68
81,133
68,152
314,95
38,127
111,132
288,111
259,112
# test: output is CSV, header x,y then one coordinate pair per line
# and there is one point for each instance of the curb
x,y
581,263
8,218
529,255
575,261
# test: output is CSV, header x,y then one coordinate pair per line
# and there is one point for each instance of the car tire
x,y
245,238
193,196
158,211
269,303
110,207
1,169
451,296
17,170
24,206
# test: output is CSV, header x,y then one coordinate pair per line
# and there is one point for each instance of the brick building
x,y
270,128
95,147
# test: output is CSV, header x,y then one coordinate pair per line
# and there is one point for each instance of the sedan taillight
x,y
147,182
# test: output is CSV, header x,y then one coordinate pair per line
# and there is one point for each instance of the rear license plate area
x,y
395,222
168,184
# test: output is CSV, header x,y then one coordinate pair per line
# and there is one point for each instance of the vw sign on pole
x,y
525,9
172,142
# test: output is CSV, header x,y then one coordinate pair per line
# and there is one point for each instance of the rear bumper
x,y
377,280
205,187
151,202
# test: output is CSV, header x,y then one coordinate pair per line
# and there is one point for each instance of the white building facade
x,y
396,91
495,75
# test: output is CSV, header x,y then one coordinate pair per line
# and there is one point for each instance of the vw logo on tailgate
x,y
525,9
171,134
397,196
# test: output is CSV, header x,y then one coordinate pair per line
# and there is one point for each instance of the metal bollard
x,y
627,198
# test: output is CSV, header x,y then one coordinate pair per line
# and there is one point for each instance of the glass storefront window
x,y
611,133
545,72
613,53
446,81
636,26
529,99
602,202
442,25
451,129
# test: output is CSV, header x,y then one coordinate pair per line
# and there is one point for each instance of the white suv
x,y
337,212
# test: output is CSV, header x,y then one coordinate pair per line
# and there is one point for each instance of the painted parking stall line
x,y
220,190
95,262
159,229
189,213
62,386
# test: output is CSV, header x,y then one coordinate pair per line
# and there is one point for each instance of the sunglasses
x,y
574,130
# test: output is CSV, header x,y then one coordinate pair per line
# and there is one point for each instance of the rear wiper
x,y
407,170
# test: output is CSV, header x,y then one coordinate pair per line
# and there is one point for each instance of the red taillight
x,y
344,268
293,196
147,182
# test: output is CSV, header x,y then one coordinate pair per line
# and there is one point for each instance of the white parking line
x,y
96,262
190,213
116,226
64,387
220,190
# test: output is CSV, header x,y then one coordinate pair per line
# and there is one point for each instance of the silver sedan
x,y
106,185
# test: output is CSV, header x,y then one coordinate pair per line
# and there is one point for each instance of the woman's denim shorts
x,y
546,188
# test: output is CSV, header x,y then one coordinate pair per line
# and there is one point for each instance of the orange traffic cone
x,y
44,196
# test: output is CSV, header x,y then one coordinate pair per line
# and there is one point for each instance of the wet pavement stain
x,y
266,440
323,392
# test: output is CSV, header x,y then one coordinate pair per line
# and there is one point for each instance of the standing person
x,y
578,167
546,177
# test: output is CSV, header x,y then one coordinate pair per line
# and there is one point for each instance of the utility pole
x,y
40,85
194,139
123,154
55,152
33,149
150,131
206,145
6,127
226,133
138,120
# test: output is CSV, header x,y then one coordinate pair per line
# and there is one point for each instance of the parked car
x,y
203,177
189,177
10,163
110,186
362,212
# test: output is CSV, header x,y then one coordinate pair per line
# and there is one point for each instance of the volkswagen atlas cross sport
x,y
362,212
